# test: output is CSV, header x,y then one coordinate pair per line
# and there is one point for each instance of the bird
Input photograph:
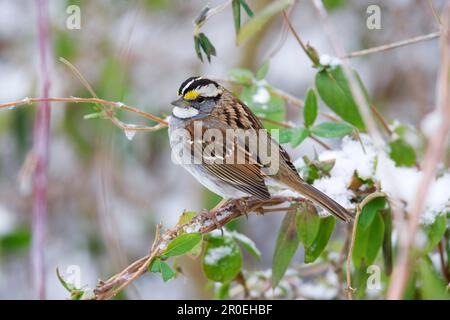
x,y
205,110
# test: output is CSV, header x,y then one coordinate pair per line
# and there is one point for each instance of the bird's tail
x,y
322,200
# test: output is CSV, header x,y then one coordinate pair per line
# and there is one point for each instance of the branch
x,y
203,223
435,14
435,152
390,46
40,152
109,113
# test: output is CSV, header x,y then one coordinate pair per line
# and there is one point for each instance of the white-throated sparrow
x,y
219,140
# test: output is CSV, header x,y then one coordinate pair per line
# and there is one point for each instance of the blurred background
x,y
106,193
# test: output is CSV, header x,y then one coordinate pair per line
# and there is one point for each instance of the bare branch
x,y
390,46
116,105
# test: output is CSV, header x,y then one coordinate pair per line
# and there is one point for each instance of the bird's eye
x,y
200,99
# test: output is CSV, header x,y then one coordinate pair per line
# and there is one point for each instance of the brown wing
x,y
223,165
242,117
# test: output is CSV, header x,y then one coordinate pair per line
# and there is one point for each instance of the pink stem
x,y
40,150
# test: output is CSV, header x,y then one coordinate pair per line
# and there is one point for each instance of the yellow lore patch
x,y
191,95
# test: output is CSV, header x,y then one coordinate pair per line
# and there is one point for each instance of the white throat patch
x,y
184,113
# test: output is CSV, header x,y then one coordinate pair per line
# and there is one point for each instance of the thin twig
x,y
348,270
435,14
207,13
390,46
296,35
434,153
381,119
117,105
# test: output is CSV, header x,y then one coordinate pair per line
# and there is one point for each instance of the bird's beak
x,y
180,103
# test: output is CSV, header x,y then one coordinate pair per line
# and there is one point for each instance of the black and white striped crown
x,y
194,87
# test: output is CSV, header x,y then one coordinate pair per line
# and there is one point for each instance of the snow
x,y
402,183
397,182
327,60
317,291
243,239
214,255
430,123
192,228
7,221
130,133
350,159
261,96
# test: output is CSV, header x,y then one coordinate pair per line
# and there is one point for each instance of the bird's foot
x,y
212,215
241,206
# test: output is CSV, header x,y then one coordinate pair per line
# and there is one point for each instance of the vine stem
x,y
348,270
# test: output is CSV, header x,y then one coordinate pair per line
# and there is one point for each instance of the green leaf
x,y
402,153
310,109
331,5
246,8
298,136
272,107
334,89
15,240
94,115
331,130
308,224
295,136
197,48
262,72
236,15
166,271
369,210
433,286
246,242
285,135
222,260
368,242
204,44
222,292
185,217
435,232
260,19
285,248
68,286
326,228
207,46
242,76
155,265
182,244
